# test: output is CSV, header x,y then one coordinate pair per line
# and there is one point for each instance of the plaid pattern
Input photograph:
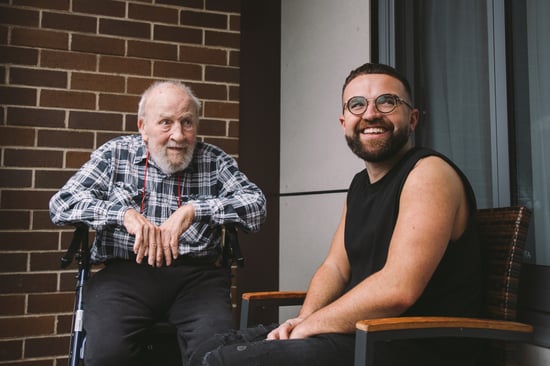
x,y
112,181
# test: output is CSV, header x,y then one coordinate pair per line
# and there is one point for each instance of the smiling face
x,y
374,136
168,125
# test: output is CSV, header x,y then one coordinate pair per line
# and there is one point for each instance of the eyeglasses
x,y
385,103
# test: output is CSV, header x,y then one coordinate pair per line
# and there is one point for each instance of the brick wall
x,y
72,72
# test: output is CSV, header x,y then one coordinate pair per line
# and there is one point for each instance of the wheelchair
x,y
161,347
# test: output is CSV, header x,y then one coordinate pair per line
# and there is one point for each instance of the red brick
x,y
13,262
36,117
96,44
120,65
100,7
18,55
41,220
177,34
222,39
12,305
233,129
37,77
15,16
41,4
221,110
14,220
28,240
209,91
68,60
3,34
212,127
202,19
46,347
104,137
118,102
153,13
17,96
199,4
97,82
203,55
75,159
51,178
234,58
32,158
124,28
11,350
51,303
26,283
68,139
131,123
29,326
222,74
176,70
16,136
64,323
40,38
96,121
224,5
230,146
67,99
25,199
70,22
235,22
138,85
46,261
155,50
15,178
234,93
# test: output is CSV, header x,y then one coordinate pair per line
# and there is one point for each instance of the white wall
x,y
321,42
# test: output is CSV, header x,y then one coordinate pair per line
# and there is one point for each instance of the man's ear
x,y
141,128
414,118
342,122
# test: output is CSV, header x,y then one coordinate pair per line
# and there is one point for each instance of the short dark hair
x,y
373,68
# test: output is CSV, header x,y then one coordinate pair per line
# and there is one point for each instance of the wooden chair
x,y
503,232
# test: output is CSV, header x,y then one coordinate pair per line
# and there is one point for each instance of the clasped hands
x,y
290,329
158,243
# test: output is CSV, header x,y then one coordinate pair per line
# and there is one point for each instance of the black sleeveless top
x,y
372,209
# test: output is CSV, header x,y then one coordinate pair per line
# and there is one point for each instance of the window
x,y
476,69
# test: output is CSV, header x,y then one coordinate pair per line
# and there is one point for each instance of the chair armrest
x,y
400,323
274,295
264,299
384,329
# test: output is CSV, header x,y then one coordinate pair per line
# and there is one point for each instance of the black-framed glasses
x,y
385,103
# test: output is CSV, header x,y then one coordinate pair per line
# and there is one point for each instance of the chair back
x,y
503,234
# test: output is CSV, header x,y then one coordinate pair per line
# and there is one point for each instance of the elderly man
x,y
157,201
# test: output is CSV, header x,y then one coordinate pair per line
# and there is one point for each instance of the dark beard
x,y
384,152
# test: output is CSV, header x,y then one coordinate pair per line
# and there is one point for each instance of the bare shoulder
x,y
435,186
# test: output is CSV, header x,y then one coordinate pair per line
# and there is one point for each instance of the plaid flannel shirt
x,y
112,181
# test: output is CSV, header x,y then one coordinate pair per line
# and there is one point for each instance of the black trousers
x,y
124,299
249,348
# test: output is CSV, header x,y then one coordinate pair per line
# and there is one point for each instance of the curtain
x,y
538,35
452,86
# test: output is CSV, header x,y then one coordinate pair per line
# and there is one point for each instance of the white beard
x,y
159,157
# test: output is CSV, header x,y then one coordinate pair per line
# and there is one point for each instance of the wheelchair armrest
x,y
255,300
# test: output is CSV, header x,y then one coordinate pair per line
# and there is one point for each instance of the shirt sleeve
x,y
85,196
238,201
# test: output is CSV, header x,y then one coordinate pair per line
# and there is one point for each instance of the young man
x,y
157,201
406,245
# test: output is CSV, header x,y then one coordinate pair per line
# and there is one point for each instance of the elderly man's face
x,y
169,127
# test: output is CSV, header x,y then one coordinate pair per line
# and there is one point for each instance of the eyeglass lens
x,y
384,103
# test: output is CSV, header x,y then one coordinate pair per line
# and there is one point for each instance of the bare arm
x,y
433,209
327,283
